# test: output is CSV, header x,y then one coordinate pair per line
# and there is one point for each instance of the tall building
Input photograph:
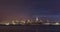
x,y
13,22
37,19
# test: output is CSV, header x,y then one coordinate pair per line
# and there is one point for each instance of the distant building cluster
x,y
35,21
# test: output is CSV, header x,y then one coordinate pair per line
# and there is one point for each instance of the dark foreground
x,y
30,28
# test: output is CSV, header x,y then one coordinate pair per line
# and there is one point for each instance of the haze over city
x,y
28,8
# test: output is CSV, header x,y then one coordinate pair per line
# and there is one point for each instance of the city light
x,y
56,23
33,21
46,23
6,23
37,19
13,22
22,22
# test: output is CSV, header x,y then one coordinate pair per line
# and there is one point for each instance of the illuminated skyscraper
x,y
13,22
22,22
37,19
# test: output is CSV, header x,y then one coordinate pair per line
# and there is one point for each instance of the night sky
x,y
22,8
